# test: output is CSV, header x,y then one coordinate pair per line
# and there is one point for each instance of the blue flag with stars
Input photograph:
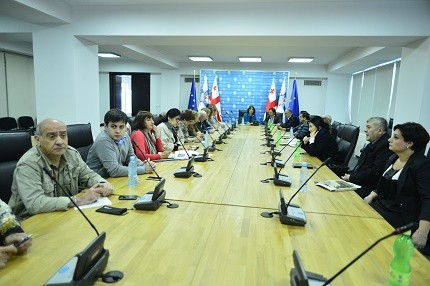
x,y
192,102
294,100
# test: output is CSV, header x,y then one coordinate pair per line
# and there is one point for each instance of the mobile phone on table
x,y
128,197
22,241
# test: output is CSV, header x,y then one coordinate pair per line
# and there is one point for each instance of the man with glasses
x,y
110,154
33,188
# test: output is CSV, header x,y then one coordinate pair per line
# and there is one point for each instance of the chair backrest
x,y
347,136
25,122
241,114
80,137
8,123
12,146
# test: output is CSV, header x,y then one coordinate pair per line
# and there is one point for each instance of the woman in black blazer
x,y
320,143
403,192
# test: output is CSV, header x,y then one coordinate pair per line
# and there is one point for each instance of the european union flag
x,y
192,102
294,100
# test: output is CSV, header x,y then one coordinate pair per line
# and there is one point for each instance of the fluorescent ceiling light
x,y
250,59
108,55
200,58
300,60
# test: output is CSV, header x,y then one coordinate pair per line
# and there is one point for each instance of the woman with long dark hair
x,y
145,136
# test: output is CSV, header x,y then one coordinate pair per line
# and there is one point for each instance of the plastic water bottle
x,y
132,172
303,176
400,268
291,133
297,154
207,139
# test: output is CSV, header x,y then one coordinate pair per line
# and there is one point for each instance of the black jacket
x,y
293,121
371,163
323,147
413,188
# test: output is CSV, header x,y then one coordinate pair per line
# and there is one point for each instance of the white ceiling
x,y
339,54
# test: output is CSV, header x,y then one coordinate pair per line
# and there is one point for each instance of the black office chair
x,y
8,123
81,138
12,146
347,136
241,114
26,123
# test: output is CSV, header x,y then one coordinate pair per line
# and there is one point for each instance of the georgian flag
x,y
215,99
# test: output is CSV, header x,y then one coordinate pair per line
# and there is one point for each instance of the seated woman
x,y
402,195
249,116
145,135
272,118
10,233
169,130
188,119
320,143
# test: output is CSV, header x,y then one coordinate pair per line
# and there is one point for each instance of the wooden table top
x,y
217,235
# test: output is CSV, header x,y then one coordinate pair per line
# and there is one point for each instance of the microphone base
x,y
151,205
201,158
275,152
282,180
219,141
294,216
183,172
211,148
279,163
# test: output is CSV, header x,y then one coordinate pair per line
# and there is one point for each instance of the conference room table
x,y
217,235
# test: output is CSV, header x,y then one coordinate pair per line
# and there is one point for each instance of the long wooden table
x,y
217,236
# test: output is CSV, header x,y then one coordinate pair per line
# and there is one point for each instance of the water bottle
x,y
303,176
297,155
207,139
132,172
400,268
291,133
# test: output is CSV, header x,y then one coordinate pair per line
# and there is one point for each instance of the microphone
x,y
284,180
398,230
233,124
213,148
293,214
87,266
279,163
185,172
49,173
151,201
158,178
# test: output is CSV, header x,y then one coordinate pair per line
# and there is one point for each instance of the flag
x,y
271,100
294,100
281,100
192,102
204,94
215,99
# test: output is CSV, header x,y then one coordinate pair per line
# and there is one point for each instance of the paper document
x,y
99,203
338,185
182,155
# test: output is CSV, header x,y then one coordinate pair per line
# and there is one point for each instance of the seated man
x,y
371,163
33,190
291,120
10,233
303,129
272,118
111,151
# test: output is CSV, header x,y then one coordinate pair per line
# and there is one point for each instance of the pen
x,y
22,241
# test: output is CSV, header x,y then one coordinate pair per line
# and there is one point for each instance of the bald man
x,y
33,190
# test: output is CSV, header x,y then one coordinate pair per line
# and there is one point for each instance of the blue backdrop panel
x,y
240,89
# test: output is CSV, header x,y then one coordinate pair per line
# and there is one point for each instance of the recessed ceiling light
x,y
250,59
200,58
108,55
300,60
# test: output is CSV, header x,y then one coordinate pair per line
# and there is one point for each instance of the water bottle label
x,y
399,278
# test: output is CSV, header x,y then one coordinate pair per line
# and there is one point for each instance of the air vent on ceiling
x,y
312,82
190,79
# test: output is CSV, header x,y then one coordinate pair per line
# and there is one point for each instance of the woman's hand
x,y
17,237
165,154
305,140
371,197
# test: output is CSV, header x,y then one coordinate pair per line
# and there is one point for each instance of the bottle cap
x,y
304,164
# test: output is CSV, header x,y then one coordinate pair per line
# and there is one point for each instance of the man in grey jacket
x,y
33,189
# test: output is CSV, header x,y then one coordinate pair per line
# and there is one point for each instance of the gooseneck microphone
x,y
180,141
279,163
158,178
398,230
292,214
51,175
